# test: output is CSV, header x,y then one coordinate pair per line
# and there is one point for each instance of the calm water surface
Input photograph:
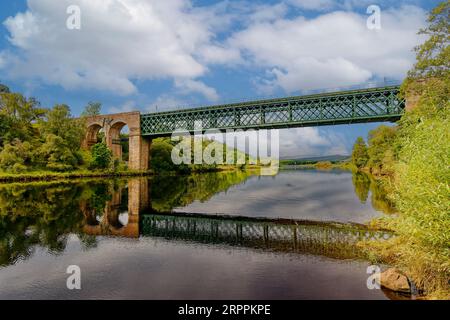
x,y
209,236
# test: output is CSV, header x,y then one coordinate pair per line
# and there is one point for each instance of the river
x,y
226,235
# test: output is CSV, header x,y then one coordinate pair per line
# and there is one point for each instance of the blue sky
x,y
147,55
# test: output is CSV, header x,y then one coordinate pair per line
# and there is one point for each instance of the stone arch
x,y
91,134
114,136
112,124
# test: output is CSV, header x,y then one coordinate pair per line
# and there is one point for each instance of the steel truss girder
x,y
356,106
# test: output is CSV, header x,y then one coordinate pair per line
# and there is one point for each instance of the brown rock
x,y
394,280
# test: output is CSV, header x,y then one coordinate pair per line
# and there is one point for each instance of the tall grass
x,y
421,193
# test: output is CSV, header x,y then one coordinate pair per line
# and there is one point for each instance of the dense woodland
x,y
36,138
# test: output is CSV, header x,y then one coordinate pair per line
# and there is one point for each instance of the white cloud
x,y
331,49
216,54
119,41
188,85
294,143
267,13
310,141
349,5
128,106
124,41
164,102
313,4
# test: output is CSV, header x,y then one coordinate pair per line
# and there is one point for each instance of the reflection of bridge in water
x,y
323,238
330,239
110,224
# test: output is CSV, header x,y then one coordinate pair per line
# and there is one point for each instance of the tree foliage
x,y
359,153
32,137
381,150
101,156
429,80
59,122
56,154
433,56
4,89
19,115
161,157
93,108
15,157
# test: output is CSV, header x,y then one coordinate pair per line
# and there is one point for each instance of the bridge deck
x,y
345,107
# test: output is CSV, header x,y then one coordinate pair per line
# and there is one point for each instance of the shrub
x,y
18,168
56,155
101,156
20,153
381,148
324,164
161,157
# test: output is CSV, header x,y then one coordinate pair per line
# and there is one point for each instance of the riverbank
x,y
320,166
51,176
424,261
425,264
80,174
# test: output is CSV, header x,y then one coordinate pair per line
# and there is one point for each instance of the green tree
x,y
359,153
101,156
93,108
433,56
19,114
59,122
381,149
161,157
56,155
4,89
15,157
429,79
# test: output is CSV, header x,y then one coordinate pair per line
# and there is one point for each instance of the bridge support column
x,y
139,151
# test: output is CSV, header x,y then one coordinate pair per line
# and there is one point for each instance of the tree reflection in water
x,y
363,183
46,214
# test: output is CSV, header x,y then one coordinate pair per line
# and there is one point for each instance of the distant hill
x,y
335,157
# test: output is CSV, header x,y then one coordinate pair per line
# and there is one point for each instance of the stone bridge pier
x,y
139,146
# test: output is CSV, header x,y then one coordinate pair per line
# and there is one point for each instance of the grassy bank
x,y
420,191
50,175
81,174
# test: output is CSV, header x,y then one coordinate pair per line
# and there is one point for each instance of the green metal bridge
x,y
344,107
